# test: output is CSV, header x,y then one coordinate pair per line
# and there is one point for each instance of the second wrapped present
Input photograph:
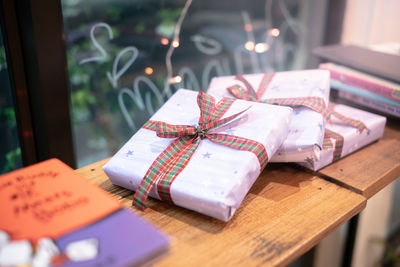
x,y
203,156
307,91
341,139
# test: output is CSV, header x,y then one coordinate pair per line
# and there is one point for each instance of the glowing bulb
x,y
148,70
249,46
175,43
248,27
176,79
164,41
261,47
275,32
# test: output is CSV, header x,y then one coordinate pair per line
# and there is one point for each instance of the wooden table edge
x,y
315,240
371,190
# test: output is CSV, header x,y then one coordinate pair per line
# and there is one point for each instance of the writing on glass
x,y
142,98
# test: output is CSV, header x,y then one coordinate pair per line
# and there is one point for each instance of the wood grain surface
x,y
286,212
370,169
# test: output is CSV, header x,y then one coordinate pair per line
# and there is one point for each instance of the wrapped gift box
x,y
341,140
217,177
307,126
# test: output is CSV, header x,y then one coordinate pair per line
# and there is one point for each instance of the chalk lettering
x,y
116,74
103,54
208,46
244,61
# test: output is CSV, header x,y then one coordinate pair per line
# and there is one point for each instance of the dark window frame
x,y
35,47
12,44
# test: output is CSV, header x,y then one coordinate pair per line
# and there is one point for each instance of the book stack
x,y
364,89
365,76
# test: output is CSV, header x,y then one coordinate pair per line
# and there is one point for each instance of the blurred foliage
x,y
114,13
3,62
168,18
10,117
97,119
13,160
10,151
391,254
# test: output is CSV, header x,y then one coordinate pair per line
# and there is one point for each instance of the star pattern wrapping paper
x,y
217,177
353,139
307,127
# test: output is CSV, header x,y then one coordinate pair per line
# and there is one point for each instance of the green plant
x,y
391,255
13,160
3,62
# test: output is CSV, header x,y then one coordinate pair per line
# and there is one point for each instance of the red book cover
x,y
49,199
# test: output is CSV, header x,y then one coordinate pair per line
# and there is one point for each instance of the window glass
x,y
10,150
125,58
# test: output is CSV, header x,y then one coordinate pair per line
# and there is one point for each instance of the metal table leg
x,y
350,240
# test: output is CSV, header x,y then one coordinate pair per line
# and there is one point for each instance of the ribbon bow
x,y
167,166
315,103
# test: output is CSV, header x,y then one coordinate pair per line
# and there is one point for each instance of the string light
x,y
251,42
261,47
175,43
249,45
148,70
176,79
248,27
275,32
164,41
168,63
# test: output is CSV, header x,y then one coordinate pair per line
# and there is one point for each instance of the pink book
x,y
364,81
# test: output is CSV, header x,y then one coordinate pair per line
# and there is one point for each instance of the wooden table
x,y
286,212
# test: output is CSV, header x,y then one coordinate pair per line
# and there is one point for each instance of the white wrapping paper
x,y
353,139
307,126
217,177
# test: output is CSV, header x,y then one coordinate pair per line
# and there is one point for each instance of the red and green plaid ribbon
x,y
339,141
315,103
177,155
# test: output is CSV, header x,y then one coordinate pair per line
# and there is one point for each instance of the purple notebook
x,y
124,239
